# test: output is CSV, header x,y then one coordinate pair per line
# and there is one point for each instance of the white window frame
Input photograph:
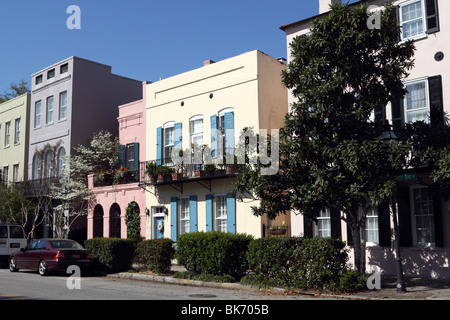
x,y
15,172
196,134
372,224
7,133
424,20
17,124
5,175
38,115
166,155
49,113
415,217
60,162
323,219
62,114
220,206
427,99
184,217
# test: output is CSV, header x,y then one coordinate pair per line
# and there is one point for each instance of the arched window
x,y
36,173
48,170
98,222
114,221
60,161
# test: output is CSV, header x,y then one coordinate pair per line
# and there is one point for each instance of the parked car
x,y
46,255
12,239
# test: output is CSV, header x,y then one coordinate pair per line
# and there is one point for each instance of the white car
x,y
12,239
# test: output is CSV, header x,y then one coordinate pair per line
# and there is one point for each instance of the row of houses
x,y
205,110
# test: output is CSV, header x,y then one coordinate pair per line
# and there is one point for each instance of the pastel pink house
x,y
106,218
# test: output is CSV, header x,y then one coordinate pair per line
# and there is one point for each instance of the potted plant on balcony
x,y
210,169
277,230
177,173
165,173
152,171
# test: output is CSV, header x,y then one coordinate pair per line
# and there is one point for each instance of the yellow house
x,y
14,120
202,112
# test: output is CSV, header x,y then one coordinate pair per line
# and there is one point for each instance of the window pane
x,y
184,216
50,110
63,105
412,19
416,102
220,220
37,114
424,217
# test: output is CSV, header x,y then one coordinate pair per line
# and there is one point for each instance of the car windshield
x,y
65,244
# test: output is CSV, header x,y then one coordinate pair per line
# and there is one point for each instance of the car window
x,y
65,244
40,245
16,232
32,244
3,232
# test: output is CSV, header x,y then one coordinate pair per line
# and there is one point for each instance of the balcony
x,y
40,187
175,175
115,177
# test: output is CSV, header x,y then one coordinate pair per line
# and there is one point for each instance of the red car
x,y
45,255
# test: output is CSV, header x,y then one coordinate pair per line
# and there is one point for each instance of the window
x,y
17,131
36,167
3,232
39,79
5,175
184,216
423,217
197,130
324,223
220,214
49,110
60,161
48,165
168,142
130,157
372,234
416,102
37,114
51,74
63,105
412,19
7,133
15,173
64,68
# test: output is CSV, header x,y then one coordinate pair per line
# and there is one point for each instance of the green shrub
x,y
215,253
189,275
350,281
156,255
270,260
111,254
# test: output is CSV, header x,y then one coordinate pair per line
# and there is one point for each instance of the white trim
x,y
424,20
427,98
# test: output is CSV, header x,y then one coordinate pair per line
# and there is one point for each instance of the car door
x,y
23,259
36,254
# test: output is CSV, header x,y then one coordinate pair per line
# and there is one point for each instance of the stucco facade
x,y
422,257
14,119
188,109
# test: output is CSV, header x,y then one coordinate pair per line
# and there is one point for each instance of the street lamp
x,y
389,137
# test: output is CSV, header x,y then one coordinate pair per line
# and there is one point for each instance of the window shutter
x,y
307,227
231,214
209,212
349,236
335,217
158,145
438,225
436,100
384,227
193,214
136,156
229,133
432,16
122,156
177,136
404,217
397,114
380,115
214,136
173,218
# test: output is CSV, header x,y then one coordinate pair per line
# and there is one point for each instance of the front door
x,y
158,229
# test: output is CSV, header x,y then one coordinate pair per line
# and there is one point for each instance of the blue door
x,y
158,228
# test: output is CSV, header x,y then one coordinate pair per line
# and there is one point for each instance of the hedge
x,y
215,253
111,254
156,255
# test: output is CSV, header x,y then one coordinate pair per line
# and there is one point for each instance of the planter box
x,y
277,231
177,175
199,173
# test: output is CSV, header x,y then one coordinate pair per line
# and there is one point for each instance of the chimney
x,y
324,5
208,62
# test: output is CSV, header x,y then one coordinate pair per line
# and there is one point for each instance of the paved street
x,y
30,286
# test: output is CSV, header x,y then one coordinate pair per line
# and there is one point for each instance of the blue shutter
x,y
136,157
158,145
173,218
209,212
122,156
231,214
214,136
229,133
177,136
193,213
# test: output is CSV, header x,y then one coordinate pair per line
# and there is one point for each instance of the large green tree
x,y
15,90
331,153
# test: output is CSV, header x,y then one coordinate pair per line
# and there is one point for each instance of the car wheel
x,y
12,265
42,269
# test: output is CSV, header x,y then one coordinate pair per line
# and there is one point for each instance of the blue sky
x,y
141,39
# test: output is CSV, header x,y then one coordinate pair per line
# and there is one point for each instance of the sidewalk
x,y
417,288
